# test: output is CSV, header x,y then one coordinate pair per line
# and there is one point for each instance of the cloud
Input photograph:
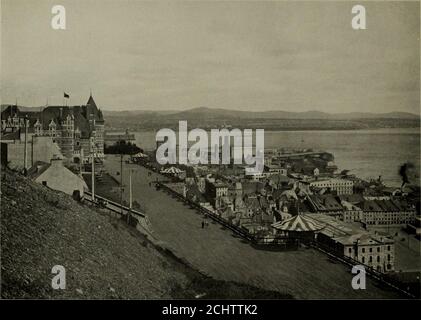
x,y
276,55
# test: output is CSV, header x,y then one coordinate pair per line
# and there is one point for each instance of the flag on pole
x,y
66,95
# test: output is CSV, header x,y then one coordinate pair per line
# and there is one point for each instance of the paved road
x,y
305,273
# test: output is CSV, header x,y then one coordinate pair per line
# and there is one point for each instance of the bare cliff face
x,y
103,257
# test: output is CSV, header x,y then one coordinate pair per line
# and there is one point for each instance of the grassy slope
x,y
103,257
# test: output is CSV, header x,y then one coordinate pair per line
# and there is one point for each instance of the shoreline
x,y
122,131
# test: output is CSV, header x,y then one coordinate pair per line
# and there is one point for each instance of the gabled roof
x,y
37,169
252,203
351,198
370,205
55,113
324,203
362,239
81,122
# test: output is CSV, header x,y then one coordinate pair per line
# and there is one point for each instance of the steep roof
x,y
370,205
55,113
81,122
9,111
353,198
82,115
37,169
91,101
13,110
324,203
92,109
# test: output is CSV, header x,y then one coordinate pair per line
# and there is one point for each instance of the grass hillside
x,y
103,257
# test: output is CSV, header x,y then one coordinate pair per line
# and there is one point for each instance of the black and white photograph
x,y
186,151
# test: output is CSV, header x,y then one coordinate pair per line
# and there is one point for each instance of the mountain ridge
x,y
218,113
270,114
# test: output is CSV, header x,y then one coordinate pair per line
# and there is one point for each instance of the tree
x,y
122,147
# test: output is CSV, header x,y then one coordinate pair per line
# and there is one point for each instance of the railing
x,y
284,240
242,232
114,206
379,276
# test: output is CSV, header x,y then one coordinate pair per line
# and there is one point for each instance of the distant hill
x,y
22,108
129,113
225,113
208,118
219,113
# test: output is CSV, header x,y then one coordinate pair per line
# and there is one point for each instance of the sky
x,y
254,56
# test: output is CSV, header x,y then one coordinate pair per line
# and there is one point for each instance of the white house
x,y
56,176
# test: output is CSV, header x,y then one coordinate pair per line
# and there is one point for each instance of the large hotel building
x,y
77,130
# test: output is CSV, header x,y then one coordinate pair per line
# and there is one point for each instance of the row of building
x,y
280,196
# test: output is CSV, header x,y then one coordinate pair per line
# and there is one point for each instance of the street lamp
x,y
93,168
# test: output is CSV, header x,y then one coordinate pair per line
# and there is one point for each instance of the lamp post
x,y
130,196
25,157
121,183
93,169
130,189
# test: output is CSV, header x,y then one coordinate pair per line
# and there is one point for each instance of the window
x,y
363,260
378,258
363,250
388,248
378,249
371,249
388,257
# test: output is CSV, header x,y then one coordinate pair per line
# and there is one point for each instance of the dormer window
x,y
52,128
38,127
15,121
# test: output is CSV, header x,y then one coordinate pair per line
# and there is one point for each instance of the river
x,y
366,153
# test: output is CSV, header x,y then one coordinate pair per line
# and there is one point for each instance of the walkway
x,y
305,273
